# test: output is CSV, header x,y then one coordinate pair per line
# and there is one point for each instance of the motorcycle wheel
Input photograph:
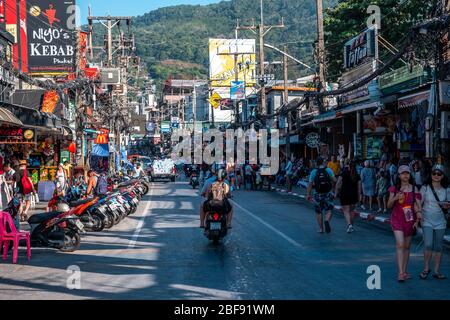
x,y
109,221
72,241
99,224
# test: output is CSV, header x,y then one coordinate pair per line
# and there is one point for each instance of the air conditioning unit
x,y
110,76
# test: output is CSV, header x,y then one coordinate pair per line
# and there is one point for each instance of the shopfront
x,y
406,95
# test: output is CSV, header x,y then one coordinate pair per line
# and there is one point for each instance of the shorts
x,y
323,202
24,197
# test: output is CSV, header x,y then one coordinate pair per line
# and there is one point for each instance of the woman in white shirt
x,y
434,221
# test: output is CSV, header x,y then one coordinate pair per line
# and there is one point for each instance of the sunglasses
x,y
438,174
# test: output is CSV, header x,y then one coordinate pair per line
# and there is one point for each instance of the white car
x,y
163,169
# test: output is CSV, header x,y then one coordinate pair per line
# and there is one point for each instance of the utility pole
x,y
286,102
261,30
321,53
125,47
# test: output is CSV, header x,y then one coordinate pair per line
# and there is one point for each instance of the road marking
x,y
141,222
281,234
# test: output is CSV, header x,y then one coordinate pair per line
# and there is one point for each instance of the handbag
x,y
444,211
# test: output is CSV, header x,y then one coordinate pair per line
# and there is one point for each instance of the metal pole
x,y
286,101
321,50
19,40
261,61
110,51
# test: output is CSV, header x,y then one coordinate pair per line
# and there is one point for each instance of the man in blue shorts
x,y
322,181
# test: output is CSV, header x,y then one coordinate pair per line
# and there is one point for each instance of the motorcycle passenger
x,y
217,194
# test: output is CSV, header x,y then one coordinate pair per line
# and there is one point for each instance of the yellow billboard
x,y
222,53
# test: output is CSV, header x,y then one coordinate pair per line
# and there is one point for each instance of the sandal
x,y
424,274
401,277
439,276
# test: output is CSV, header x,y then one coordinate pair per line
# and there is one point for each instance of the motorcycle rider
x,y
217,194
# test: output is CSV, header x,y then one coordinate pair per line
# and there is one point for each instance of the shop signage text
x,y
360,48
51,44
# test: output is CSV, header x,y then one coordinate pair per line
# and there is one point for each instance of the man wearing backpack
x,y
217,199
322,181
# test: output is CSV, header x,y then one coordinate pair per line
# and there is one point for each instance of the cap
x,y
404,169
23,163
438,167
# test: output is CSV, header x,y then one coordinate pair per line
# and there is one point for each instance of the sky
x,y
130,7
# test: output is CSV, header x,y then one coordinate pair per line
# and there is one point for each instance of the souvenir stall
x,y
379,135
410,127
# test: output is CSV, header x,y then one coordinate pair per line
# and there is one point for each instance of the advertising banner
x,y
11,7
222,64
360,49
237,90
51,37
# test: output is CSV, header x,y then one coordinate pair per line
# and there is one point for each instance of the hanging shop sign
x,y
103,137
360,49
313,140
237,91
51,37
50,101
16,136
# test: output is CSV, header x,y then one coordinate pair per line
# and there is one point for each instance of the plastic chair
x,y
13,236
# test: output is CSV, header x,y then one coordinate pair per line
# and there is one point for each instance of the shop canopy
x,y
8,117
100,150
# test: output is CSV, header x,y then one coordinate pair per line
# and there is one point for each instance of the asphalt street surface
x,y
272,252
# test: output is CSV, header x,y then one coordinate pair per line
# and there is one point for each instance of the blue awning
x,y
100,150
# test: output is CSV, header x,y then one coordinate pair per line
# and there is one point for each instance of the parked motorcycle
x,y
53,230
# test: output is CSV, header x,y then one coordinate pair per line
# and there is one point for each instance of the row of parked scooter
x,y
71,216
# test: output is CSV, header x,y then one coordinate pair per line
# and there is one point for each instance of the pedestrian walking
x,y
368,182
405,201
382,191
348,190
435,206
248,176
24,190
321,181
289,174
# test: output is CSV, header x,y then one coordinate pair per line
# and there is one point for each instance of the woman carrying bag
x,y
405,202
436,202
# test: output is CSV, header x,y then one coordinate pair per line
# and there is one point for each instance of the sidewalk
x,y
300,192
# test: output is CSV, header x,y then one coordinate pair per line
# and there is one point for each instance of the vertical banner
x,y
51,37
12,27
83,50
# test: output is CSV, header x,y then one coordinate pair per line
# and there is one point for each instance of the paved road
x,y
273,252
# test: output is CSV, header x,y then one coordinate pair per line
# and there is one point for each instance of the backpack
x,y
102,186
26,184
217,192
322,181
